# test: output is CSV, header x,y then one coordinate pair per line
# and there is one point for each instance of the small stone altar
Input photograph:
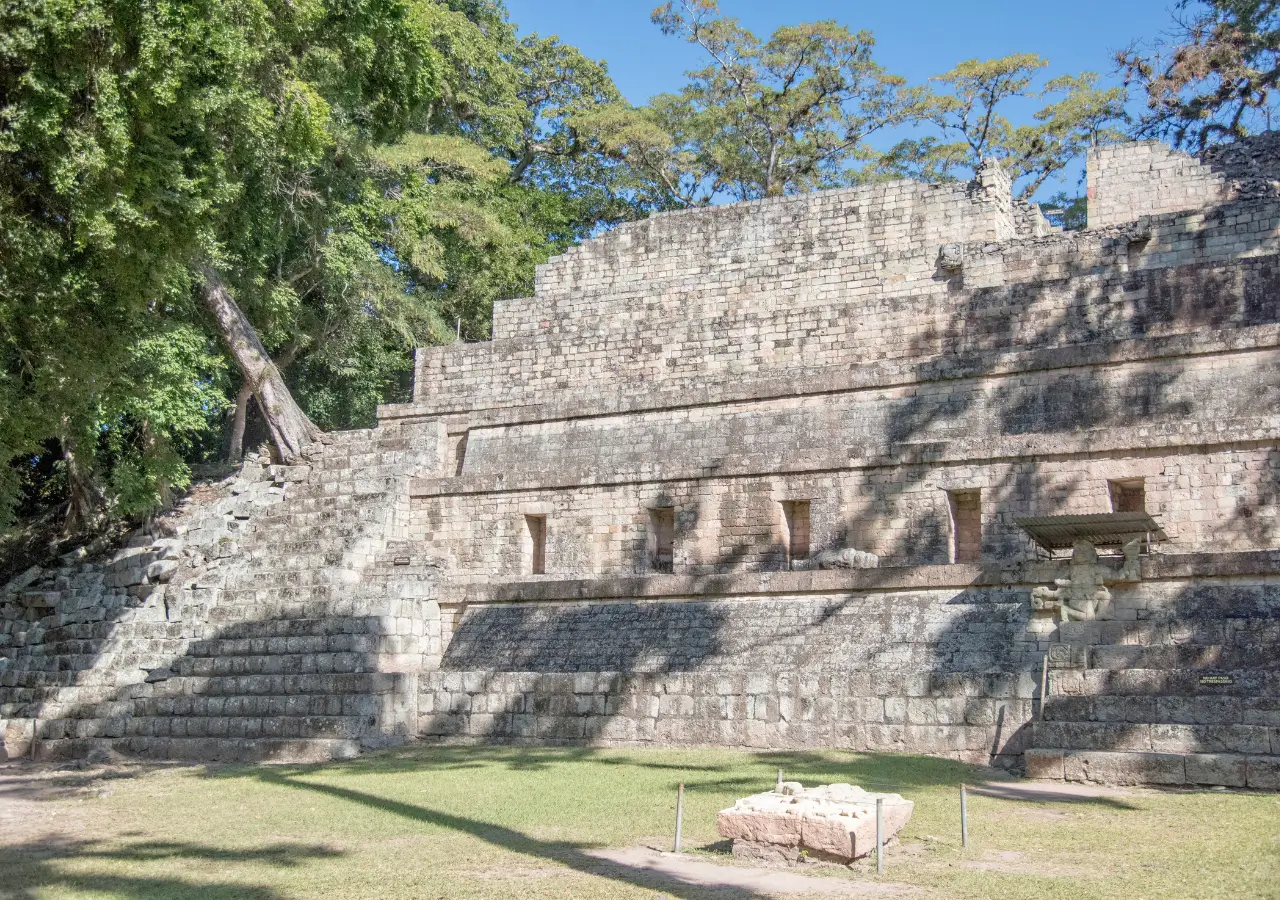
x,y
834,822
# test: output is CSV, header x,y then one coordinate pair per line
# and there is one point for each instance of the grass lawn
x,y
516,823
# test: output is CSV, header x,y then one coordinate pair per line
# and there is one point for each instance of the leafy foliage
x,y
1213,79
344,162
971,111
768,117
795,112
368,176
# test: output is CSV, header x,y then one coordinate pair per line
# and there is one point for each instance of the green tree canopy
x,y
970,116
333,179
764,117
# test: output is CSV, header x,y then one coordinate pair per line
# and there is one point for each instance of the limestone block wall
x,y
869,382
1147,178
809,247
1220,500
936,660
1178,274
919,664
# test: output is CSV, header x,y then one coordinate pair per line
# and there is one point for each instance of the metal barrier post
x,y
879,835
679,815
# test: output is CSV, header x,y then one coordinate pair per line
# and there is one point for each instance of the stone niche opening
x,y
1128,495
796,529
662,539
536,543
966,525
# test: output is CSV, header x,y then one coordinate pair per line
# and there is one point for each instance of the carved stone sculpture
x,y
844,558
951,257
835,822
1085,595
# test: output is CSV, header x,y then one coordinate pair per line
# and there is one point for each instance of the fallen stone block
x,y
834,822
162,570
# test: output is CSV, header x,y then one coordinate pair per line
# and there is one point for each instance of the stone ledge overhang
x,y
876,375
1255,431
1156,567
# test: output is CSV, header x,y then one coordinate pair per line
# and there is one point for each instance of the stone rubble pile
x,y
834,822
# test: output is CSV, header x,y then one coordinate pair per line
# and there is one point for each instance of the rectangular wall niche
x,y
1128,495
662,539
796,529
966,526
536,544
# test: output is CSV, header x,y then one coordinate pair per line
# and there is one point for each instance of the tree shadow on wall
x,y
1068,393
1205,679
983,677
252,690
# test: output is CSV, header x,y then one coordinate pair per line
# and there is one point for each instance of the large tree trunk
x,y
84,501
291,430
235,447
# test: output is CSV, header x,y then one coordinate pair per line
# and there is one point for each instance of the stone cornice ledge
x,y
882,374
1156,567
976,449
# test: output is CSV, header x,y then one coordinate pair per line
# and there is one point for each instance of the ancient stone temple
x,y
897,467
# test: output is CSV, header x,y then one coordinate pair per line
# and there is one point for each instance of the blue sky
x,y
914,38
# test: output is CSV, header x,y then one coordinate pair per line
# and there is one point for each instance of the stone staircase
x,y
246,631
1140,702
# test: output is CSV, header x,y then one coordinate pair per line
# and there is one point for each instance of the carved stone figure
x,y
1085,595
951,257
844,558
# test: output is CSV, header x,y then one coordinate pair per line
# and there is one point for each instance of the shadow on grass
x,y
573,856
902,771
747,772
33,868
738,773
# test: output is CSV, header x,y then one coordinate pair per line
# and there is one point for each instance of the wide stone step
x,y
268,664
1170,709
276,685
1185,656
241,727
1204,631
329,622
1156,737
258,705
308,750
1258,771
1165,682
293,645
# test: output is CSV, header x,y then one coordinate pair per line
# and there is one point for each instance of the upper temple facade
x,y
921,365
896,467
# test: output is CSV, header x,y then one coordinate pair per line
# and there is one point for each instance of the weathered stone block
x,y
1217,768
1124,768
1045,764
832,822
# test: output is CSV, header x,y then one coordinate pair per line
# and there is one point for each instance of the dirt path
x,y
1046,791
687,870
39,800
